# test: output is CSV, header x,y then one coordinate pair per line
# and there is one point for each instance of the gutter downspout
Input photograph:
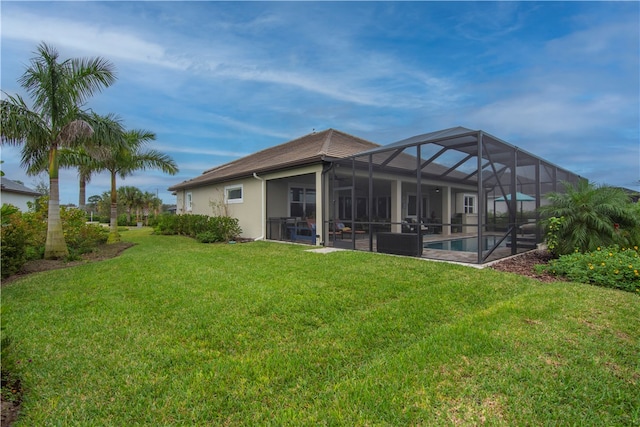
x,y
263,218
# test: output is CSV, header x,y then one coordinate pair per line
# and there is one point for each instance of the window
x,y
302,202
382,205
412,205
233,194
469,204
188,203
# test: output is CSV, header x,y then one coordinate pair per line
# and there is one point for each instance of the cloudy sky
x,y
219,80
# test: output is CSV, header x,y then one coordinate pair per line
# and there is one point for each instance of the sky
x,y
216,81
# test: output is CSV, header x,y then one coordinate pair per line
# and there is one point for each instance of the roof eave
x,y
218,180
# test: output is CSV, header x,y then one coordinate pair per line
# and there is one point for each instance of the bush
x,y
80,236
552,235
13,238
591,216
123,220
208,237
611,267
211,229
24,235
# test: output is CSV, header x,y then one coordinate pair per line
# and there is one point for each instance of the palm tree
x,y
150,203
132,200
124,157
57,89
592,216
84,177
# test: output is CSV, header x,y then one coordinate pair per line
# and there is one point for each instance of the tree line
x,y
55,131
134,206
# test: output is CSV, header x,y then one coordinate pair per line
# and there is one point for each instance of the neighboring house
x,y
16,194
357,194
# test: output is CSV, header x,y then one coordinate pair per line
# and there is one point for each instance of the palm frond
x,y
18,123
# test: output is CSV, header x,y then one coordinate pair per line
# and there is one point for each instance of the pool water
x,y
467,244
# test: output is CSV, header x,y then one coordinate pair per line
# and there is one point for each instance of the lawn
x,y
174,332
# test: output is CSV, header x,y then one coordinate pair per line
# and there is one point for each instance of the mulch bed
x,y
102,252
524,265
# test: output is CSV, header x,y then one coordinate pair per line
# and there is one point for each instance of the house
x,y
267,188
16,194
454,194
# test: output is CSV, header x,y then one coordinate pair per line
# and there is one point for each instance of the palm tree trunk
x,y
83,194
113,223
55,246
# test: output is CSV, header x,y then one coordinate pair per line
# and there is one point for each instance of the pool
x,y
467,244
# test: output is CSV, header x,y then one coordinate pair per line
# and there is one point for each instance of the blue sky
x,y
219,80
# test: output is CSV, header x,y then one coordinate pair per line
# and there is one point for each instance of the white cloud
x,y
547,113
114,43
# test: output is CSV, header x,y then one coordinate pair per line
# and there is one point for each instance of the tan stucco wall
x,y
251,213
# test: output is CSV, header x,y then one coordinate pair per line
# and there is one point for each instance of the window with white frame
x,y
302,202
188,202
469,204
233,194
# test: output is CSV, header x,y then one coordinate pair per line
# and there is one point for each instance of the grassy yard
x,y
174,332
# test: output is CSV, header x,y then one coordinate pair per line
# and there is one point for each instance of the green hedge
x,y
207,229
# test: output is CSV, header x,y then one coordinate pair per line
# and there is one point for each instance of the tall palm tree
x,y
84,177
108,130
123,158
57,89
592,216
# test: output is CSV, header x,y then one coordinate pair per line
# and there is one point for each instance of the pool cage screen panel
x,y
400,189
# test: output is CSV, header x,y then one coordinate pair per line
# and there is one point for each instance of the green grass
x,y
174,332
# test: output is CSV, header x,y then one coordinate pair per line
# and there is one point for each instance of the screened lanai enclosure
x,y
456,194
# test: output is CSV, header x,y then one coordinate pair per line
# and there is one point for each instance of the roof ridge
x,y
327,141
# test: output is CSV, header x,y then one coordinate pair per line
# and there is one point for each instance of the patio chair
x,y
337,230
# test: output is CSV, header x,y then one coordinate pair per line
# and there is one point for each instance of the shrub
x,y
123,220
211,229
24,236
593,216
227,227
611,267
552,238
13,238
208,237
166,224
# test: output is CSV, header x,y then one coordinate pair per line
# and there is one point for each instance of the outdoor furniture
x,y
399,244
354,233
410,225
528,228
303,230
337,230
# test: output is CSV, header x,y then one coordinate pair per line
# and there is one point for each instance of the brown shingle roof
x,y
309,149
